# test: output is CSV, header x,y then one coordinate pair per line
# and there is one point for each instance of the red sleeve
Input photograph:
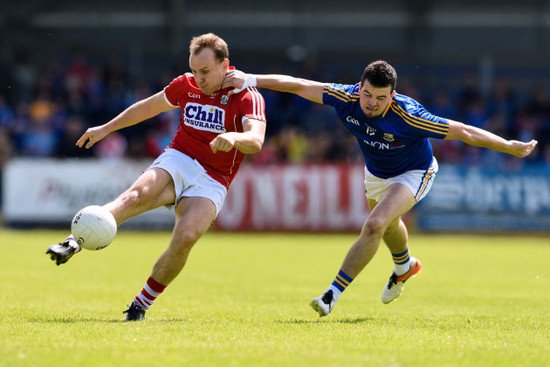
x,y
175,89
253,104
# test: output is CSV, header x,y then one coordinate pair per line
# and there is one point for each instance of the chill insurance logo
x,y
205,117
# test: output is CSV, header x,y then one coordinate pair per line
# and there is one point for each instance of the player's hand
x,y
234,79
238,80
91,136
223,142
521,149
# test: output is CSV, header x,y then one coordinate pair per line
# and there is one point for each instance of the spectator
x,y
538,103
6,152
24,76
39,140
7,117
441,104
502,100
76,76
66,145
112,147
468,93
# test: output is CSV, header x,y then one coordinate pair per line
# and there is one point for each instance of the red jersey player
x,y
206,116
194,172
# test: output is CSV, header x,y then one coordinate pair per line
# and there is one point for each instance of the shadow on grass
x,y
355,320
75,320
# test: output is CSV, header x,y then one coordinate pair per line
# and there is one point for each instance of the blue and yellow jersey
x,y
394,142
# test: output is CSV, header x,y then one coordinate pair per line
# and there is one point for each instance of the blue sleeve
x,y
421,123
337,95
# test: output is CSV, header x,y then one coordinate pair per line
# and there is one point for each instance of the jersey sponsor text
x,y
204,117
377,144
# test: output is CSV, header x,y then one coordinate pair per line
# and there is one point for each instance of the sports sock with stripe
x,y
402,262
149,293
340,283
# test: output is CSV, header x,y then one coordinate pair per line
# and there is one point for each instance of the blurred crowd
x,y
47,107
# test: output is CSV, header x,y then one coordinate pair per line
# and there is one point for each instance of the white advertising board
x,y
47,191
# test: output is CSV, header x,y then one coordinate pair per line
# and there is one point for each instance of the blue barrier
x,y
487,199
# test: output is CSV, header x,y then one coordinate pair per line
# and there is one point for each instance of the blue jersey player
x,y
393,131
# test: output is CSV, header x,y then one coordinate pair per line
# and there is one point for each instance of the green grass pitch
x,y
243,300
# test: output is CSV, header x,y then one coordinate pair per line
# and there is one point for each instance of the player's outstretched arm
x,y
482,138
308,89
136,113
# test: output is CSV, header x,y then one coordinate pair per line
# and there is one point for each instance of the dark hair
x,y
380,74
209,40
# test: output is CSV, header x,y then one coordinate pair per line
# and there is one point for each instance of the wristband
x,y
249,81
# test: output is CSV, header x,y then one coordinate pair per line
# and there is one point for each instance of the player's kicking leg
x,y
63,251
152,189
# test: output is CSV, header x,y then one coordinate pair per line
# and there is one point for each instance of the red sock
x,y
149,294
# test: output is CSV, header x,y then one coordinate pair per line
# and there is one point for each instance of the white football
x,y
94,227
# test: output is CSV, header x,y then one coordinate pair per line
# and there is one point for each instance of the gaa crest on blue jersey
x,y
370,131
224,99
388,137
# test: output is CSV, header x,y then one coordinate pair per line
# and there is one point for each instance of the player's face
x,y
207,70
374,100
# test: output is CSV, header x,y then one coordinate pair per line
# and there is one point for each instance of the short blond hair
x,y
209,40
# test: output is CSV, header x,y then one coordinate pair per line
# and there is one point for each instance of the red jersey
x,y
203,117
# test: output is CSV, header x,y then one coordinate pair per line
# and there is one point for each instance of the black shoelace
x,y
327,297
392,280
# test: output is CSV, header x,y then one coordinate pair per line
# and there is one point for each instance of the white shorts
x,y
418,181
190,178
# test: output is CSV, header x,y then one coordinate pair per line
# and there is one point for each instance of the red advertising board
x,y
295,198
